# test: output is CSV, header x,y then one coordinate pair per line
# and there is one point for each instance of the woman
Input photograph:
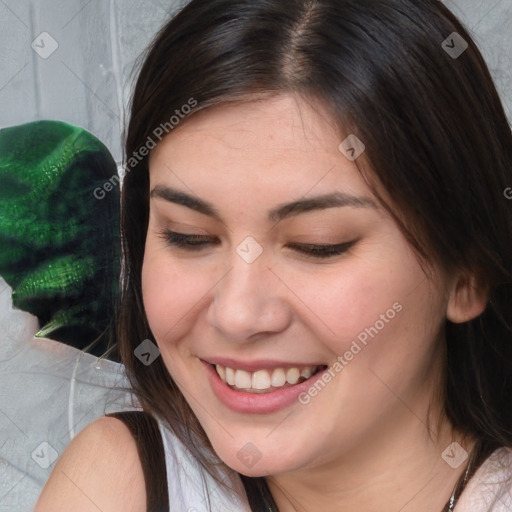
x,y
316,239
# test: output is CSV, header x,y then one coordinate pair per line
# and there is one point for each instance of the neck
x,y
399,469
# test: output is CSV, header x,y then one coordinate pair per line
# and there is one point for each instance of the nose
x,y
249,301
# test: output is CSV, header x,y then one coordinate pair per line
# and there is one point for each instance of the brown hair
x,y
436,137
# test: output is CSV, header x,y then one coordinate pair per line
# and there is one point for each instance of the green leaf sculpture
x,y
59,237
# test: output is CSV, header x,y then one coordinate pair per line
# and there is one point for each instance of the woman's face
x,y
255,186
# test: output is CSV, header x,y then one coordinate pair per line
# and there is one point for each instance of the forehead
x,y
281,145
286,118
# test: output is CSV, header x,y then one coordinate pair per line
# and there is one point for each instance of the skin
x,y
362,442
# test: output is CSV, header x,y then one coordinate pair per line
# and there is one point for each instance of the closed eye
x,y
187,242
199,242
322,251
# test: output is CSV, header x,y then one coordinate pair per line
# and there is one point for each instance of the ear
x,y
467,299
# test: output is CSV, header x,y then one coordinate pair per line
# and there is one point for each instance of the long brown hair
x,y
436,137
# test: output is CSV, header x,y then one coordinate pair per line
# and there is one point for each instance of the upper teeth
x,y
263,379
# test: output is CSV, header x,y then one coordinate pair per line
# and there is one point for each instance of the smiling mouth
x,y
266,380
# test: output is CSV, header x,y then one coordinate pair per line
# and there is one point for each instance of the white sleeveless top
x,y
490,488
192,489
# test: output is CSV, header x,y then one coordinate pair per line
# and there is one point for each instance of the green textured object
x,y
59,243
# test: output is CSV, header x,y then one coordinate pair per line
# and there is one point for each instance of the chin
x,y
252,462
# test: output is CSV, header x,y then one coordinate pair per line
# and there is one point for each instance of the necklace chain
x,y
457,490
461,484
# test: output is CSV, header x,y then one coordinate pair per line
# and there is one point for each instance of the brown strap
x,y
146,433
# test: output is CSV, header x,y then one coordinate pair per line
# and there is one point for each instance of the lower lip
x,y
256,403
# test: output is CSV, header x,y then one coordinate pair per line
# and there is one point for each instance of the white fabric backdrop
x,y
86,81
49,392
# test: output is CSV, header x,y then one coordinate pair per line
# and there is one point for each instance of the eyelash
x,y
197,243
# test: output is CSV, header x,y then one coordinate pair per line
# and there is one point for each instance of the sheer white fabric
x,y
191,488
490,489
49,392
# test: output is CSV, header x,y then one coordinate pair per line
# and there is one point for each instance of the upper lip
x,y
251,366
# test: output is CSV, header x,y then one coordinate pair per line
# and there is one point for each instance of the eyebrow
x,y
283,211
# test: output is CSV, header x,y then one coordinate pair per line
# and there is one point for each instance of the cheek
x,y
382,305
342,304
171,296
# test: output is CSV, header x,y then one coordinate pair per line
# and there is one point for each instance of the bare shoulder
x,y
99,470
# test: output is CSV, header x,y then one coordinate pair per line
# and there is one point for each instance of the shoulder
x,y
99,470
490,488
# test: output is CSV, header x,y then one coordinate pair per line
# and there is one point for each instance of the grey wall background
x,y
87,79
